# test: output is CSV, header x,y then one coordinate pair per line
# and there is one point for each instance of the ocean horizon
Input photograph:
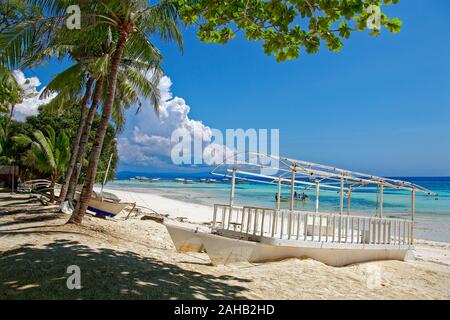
x,y
396,202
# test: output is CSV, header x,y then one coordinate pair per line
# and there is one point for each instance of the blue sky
x,y
381,105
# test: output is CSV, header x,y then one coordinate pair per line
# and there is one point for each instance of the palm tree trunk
x,y
76,141
52,189
86,194
84,139
11,113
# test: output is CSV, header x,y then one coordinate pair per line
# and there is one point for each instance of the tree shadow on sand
x,y
40,273
31,219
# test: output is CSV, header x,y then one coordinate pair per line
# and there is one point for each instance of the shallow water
x,y
395,202
432,214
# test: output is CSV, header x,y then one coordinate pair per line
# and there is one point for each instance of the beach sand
x,y
129,259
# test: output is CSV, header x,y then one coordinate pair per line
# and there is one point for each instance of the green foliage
x,y
285,27
15,146
24,16
12,142
49,153
16,11
10,91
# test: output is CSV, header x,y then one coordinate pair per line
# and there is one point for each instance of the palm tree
x,y
133,84
49,154
79,132
132,22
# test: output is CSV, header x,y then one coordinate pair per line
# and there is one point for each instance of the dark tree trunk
x,y
76,141
52,189
84,140
11,113
86,193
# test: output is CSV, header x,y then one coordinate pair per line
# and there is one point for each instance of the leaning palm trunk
x,y
84,140
76,141
86,194
11,113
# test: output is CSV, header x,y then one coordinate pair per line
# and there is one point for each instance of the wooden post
x,y
320,228
242,220
275,217
131,210
106,175
12,178
279,194
262,222
413,213
317,196
214,217
349,200
305,229
341,194
381,200
233,183
341,207
255,225
291,206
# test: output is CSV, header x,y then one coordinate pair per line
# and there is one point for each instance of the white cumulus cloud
x,y
31,101
147,138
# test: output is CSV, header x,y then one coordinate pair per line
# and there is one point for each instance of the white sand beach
x,y
135,258
193,212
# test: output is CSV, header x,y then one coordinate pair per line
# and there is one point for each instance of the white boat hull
x,y
106,208
185,239
226,250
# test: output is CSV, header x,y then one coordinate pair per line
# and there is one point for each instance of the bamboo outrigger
x,y
248,233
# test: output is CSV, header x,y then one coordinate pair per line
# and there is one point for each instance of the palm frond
x,y
44,147
145,85
22,140
71,80
161,18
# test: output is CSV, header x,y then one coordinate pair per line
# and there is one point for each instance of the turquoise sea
x,y
262,195
432,213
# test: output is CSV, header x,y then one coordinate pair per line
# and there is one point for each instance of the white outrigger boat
x,y
105,204
253,234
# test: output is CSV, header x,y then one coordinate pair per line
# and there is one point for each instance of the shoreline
x,y
426,229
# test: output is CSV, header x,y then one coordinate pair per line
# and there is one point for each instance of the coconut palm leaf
x,y
21,140
43,148
73,79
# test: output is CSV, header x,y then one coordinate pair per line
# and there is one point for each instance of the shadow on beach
x,y
32,272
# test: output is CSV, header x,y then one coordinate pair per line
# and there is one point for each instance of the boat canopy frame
x,y
291,172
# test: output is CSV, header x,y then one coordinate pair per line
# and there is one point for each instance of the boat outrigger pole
x,y
233,186
291,205
279,194
106,175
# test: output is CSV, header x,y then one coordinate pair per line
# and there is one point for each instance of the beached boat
x,y
103,203
106,204
248,233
